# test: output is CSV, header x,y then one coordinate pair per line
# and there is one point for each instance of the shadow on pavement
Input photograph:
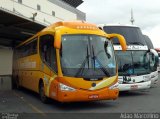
x,y
72,106
134,93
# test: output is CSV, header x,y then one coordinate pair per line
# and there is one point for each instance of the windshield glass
x,y
133,35
132,63
87,56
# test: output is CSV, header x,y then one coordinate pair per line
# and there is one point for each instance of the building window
x,y
53,13
38,7
20,1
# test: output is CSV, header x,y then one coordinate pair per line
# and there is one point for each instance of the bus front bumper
x,y
134,86
84,95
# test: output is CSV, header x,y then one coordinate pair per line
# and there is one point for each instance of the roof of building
x,y
15,28
70,6
74,3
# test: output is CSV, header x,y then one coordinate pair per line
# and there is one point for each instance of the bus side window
x,y
47,51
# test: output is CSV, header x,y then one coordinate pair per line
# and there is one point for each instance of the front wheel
x,y
42,95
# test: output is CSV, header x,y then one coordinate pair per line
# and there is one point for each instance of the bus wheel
x,y
42,95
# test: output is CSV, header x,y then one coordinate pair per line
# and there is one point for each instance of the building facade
x,y
20,19
44,11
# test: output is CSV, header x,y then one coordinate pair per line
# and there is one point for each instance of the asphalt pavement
x,y
25,101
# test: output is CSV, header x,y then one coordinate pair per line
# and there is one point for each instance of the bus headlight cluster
x,y
147,78
66,88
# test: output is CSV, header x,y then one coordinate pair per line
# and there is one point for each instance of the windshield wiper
x,y
101,65
94,63
83,64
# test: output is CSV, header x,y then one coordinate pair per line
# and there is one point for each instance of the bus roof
x,y
73,24
125,25
80,25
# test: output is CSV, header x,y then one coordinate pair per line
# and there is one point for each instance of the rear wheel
x,y
42,95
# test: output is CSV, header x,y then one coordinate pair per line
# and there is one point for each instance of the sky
x,y
146,14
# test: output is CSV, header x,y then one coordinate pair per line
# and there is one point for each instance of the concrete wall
x,y
5,68
44,15
6,61
5,83
80,15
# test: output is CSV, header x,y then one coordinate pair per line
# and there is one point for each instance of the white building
x,y
45,11
20,19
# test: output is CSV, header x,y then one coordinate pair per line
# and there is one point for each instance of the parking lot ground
x,y
25,101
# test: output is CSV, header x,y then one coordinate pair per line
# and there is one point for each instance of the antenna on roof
x,y
132,19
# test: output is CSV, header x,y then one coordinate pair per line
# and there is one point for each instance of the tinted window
x,y
27,49
20,1
87,56
133,35
47,51
132,62
38,7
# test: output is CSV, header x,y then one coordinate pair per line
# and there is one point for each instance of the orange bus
x,y
67,62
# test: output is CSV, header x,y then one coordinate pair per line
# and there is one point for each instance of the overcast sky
x,y
146,14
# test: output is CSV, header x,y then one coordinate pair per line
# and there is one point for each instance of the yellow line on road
x,y
30,105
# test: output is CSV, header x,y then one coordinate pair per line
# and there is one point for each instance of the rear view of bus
x,y
134,65
75,61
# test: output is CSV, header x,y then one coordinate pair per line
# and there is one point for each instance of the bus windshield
x,y
133,63
87,56
133,35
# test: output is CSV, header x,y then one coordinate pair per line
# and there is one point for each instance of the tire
x,y
42,95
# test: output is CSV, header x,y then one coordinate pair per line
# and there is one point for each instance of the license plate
x,y
133,87
94,96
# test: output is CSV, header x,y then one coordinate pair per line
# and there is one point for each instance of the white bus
x,y
153,61
158,68
134,65
158,50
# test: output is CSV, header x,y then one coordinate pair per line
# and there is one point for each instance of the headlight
x,y
147,78
66,88
114,86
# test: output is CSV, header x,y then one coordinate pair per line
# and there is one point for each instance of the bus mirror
x,y
57,41
121,40
155,53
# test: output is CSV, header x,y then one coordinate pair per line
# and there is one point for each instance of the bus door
x,y
48,55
